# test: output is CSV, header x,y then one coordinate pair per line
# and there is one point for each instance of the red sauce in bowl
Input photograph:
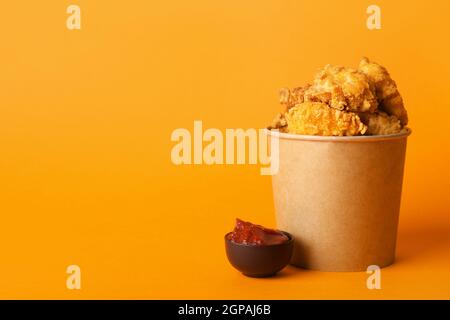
x,y
249,233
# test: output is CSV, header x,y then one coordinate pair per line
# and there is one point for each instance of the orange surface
x,y
85,124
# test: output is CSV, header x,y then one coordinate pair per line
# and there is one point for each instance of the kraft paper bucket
x,y
340,198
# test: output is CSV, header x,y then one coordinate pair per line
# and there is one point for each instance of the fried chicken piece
x,y
279,123
385,89
317,118
291,97
343,89
380,123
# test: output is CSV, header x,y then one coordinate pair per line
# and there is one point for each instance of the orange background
x,y
85,124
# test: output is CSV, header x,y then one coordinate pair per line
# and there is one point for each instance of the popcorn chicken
x,y
279,123
343,89
385,89
316,118
380,123
291,97
343,102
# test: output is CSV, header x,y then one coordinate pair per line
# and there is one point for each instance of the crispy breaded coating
x,y
316,118
291,97
279,123
386,90
343,89
380,123
344,101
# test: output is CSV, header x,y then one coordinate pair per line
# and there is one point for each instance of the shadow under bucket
x,y
340,198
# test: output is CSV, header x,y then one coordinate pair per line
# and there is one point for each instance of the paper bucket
x,y
340,198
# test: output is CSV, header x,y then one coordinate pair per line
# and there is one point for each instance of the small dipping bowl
x,y
259,260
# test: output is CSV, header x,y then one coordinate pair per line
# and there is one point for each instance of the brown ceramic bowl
x,y
259,260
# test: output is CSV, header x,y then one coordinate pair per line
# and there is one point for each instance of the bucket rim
x,y
292,136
